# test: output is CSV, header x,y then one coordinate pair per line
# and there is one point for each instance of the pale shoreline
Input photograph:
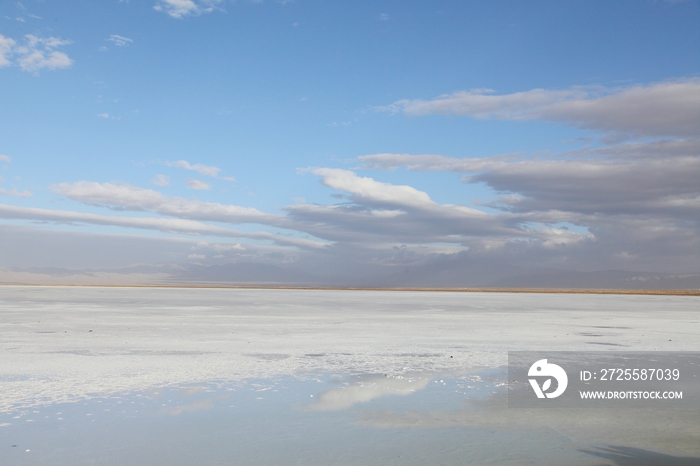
x,y
339,288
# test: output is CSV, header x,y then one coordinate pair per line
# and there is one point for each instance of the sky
x,y
350,138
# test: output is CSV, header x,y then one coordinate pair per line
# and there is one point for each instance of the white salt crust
x,y
62,344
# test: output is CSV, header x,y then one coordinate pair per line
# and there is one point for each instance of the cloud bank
x,y
631,205
663,109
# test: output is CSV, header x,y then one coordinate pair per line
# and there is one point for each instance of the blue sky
x,y
566,108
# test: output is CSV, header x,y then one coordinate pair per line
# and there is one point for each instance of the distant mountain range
x,y
455,274
606,279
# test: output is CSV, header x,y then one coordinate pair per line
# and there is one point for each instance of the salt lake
x,y
92,375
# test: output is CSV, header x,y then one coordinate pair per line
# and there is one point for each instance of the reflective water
x,y
361,420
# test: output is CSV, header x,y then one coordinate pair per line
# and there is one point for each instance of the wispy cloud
x,y
6,46
120,41
161,180
107,116
663,109
15,193
199,185
206,170
128,197
5,158
165,225
181,8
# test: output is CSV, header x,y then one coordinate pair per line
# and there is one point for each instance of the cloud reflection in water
x,y
368,390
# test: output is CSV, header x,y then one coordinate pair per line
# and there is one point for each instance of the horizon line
x,y
654,292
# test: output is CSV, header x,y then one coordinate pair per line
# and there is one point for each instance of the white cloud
x,y
120,41
166,225
181,8
367,189
199,185
38,53
127,197
15,193
206,170
103,115
383,215
161,180
197,256
5,158
663,109
6,46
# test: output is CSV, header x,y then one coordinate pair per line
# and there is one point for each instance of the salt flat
x,y
66,343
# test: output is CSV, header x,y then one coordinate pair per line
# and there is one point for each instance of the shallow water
x,y
282,421
360,420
